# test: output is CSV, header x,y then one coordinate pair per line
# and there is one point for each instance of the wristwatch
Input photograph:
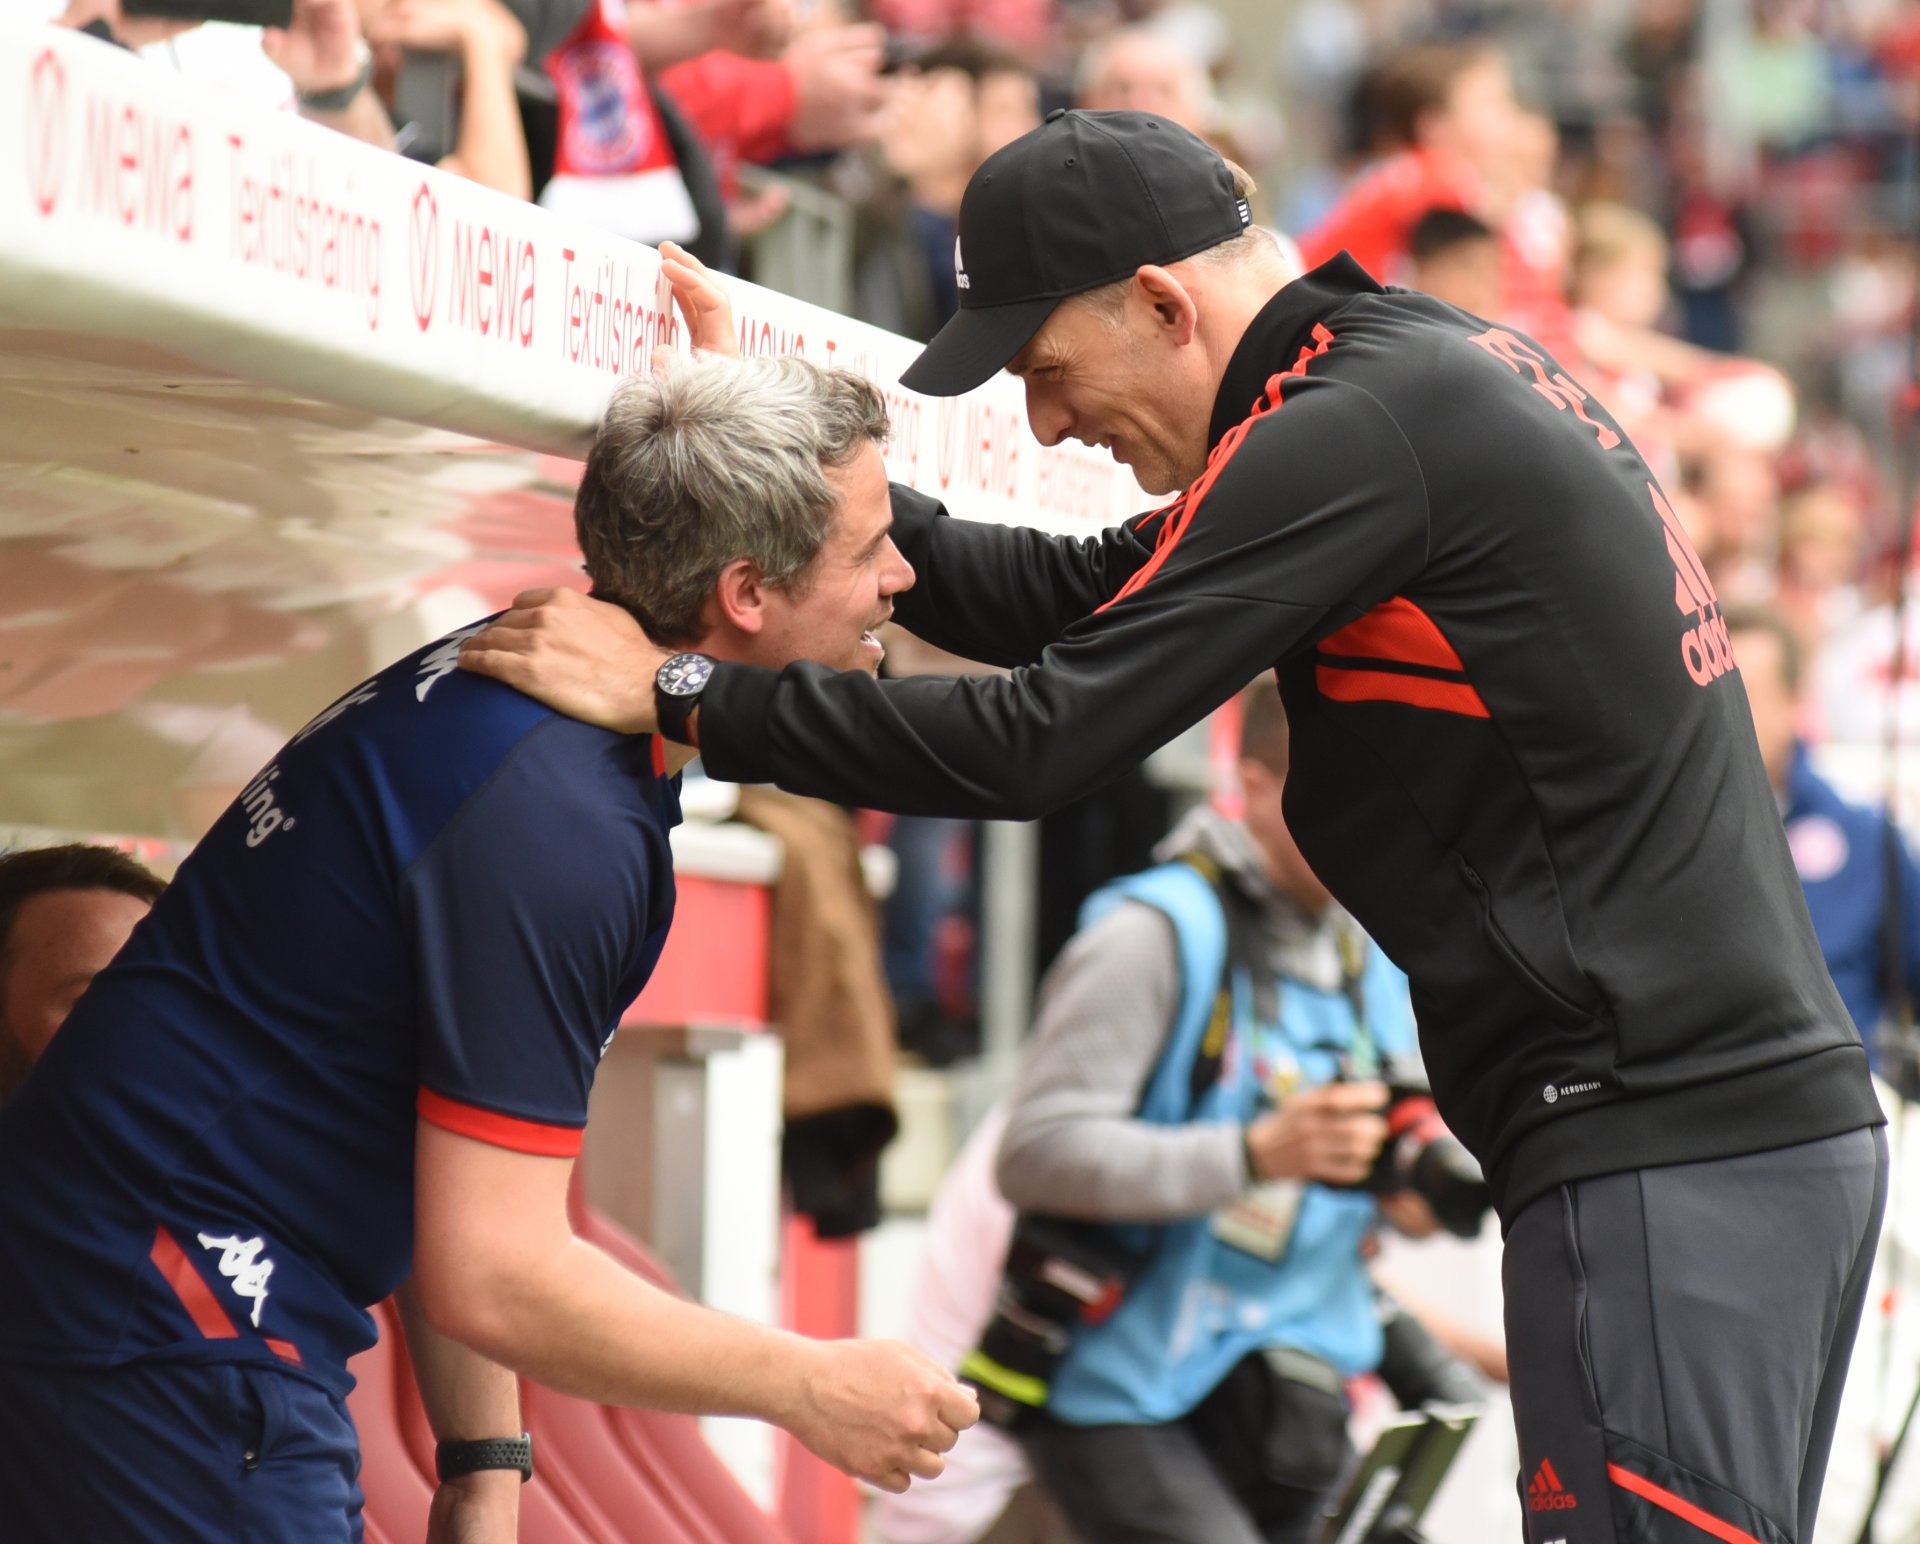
x,y
340,98
677,686
453,1459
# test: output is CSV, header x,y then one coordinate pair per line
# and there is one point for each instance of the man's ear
x,y
1174,311
739,598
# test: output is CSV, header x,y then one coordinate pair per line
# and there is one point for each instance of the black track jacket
x,y
1522,757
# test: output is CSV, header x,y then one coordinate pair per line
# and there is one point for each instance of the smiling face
x,y
1125,384
830,613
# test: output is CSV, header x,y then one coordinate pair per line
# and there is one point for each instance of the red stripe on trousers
x,y
1686,1511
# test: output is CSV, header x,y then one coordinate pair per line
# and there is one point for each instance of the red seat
x,y
396,1452
397,1490
670,1447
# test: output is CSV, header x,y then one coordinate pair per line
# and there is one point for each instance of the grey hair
x,y
713,460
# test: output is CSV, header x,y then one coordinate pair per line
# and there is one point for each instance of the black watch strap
x,y
672,713
453,1459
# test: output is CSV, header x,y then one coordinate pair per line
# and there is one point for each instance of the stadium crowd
x,y
1661,192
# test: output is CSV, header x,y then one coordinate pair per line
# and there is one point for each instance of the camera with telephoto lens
x,y
1060,1274
1421,1155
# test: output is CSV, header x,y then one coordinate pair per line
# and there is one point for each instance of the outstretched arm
x,y
500,1270
998,593
1286,544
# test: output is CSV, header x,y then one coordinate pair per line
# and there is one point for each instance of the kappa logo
x,y
362,693
960,279
443,661
1546,1493
1705,648
46,131
423,248
245,1271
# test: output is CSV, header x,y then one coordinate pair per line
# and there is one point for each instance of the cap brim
x,y
974,345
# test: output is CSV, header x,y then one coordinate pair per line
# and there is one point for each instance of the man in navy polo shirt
x,y
1869,933
350,1053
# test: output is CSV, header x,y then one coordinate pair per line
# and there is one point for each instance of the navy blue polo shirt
x,y
436,902
1840,852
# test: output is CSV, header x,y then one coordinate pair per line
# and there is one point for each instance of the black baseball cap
x,y
1079,202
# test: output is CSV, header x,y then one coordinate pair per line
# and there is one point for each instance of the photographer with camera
x,y
1186,1292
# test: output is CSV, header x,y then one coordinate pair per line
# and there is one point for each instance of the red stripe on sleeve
x,y
1666,1500
194,1294
1398,630
659,756
1414,691
509,1131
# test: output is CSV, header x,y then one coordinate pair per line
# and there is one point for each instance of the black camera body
x,y
1420,1154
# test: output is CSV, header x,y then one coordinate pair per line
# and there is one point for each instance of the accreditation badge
x,y
1260,1222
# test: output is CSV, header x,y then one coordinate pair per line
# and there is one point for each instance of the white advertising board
x,y
135,207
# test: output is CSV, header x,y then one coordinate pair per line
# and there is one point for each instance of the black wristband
x,y
451,1460
672,714
339,98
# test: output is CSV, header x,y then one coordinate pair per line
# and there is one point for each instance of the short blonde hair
x,y
1607,233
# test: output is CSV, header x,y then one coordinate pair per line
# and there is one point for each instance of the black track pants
x,y
1678,1339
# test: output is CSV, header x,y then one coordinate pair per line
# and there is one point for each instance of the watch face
x,y
684,675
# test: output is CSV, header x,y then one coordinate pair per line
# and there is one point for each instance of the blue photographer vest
x,y
1199,1304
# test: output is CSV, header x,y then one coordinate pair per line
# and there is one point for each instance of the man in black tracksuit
x,y
1522,758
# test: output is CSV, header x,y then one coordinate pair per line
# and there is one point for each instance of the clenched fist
x,y
879,1409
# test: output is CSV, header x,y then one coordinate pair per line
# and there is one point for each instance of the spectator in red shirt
x,y
1451,110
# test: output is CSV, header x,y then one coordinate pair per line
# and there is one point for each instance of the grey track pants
x,y
1679,1338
